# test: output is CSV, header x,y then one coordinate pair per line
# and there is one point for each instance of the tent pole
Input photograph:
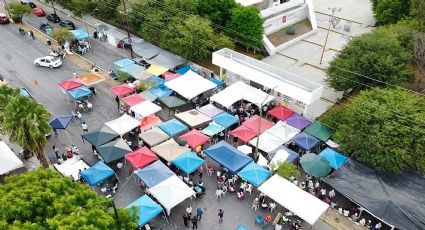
x,y
69,138
166,217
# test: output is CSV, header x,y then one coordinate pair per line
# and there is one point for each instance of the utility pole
x,y
52,2
128,28
116,214
334,9
7,8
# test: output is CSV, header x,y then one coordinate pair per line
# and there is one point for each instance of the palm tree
x,y
6,94
26,123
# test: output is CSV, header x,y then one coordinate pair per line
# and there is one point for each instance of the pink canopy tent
x,y
243,133
71,84
170,75
253,122
149,121
122,90
141,157
133,99
194,138
280,112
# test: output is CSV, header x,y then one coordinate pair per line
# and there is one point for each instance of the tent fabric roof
x,y
210,110
167,60
91,79
188,162
228,156
154,136
315,165
149,121
141,157
79,34
148,96
72,167
154,173
267,142
225,119
97,173
193,118
113,150
71,84
254,122
173,127
123,62
170,75
156,81
133,100
245,149
290,196
171,192
216,81
8,160
122,90
184,85
397,199
147,209
282,154
123,124
142,76
212,129
60,122
172,101
183,69
133,70
156,69
334,158
280,112
319,131
169,150
145,109
80,92
254,174
160,91
298,121
194,138
243,133
100,136
283,131
146,50
305,141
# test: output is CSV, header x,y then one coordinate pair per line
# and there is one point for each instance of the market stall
x,y
97,173
146,208
154,136
72,167
173,127
194,138
121,63
132,100
122,90
267,142
184,85
123,124
213,129
226,119
258,124
91,79
210,110
149,122
80,92
100,136
228,156
319,131
188,162
280,112
298,121
8,159
140,157
145,109
335,159
254,174
193,118
113,150
169,150
154,174
305,141
283,131
243,133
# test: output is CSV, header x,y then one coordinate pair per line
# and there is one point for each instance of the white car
x,y
48,61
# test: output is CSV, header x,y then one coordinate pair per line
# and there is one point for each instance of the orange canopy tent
x,y
149,121
91,79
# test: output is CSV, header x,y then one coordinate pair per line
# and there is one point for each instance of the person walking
x,y
31,34
199,213
74,74
186,220
56,150
194,222
220,215
85,127
189,211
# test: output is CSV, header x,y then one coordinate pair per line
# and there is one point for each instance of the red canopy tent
x,y
122,90
71,84
194,138
253,122
170,76
280,112
133,99
149,121
141,157
243,133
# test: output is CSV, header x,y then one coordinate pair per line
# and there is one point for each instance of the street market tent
x,y
193,118
148,96
228,156
122,90
280,112
298,121
149,121
216,81
156,69
172,102
281,154
188,162
154,136
225,119
167,60
113,150
210,110
190,85
91,79
134,71
240,91
80,92
71,167
319,131
71,84
160,91
258,124
145,109
100,136
305,141
154,174
296,200
267,142
173,127
8,159
169,150
146,208
156,81
146,50
245,149
123,63
283,131
212,129
133,100
243,133
194,138
142,76
123,124
171,192
315,165
141,157
60,122
397,199
97,173
183,69
79,34
170,75
334,158
254,174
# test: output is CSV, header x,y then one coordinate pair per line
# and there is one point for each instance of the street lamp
x,y
331,18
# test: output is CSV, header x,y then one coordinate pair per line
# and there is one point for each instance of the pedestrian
x,y
74,74
189,211
199,213
55,131
117,99
220,216
331,194
56,150
185,220
85,127
31,34
194,223
79,116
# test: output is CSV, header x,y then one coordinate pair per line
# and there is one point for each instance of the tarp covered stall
x,y
167,60
280,112
212,129
113,150
193,118
97,173
170,75
258,124
148,96
79,34
154,174
149,122
210,110
190,85
72,167
334,158
397,199
243,133
160,91
70,84
188,162
143,76
283,131
141,157
91,79
169,150
173,127
172,101
8,160
123,63
123,124
145,109
296,200
319,131
194,138
154,136
80,92
146,50
228,156
298,121
315,165
226,119
267,142
171,192
146,208
134,71
305,141
133,100
254,174
156,69
122,90
282,154
100,136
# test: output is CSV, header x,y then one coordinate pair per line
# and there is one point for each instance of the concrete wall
x,y
285,19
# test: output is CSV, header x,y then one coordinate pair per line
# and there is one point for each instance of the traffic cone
x,y
35,82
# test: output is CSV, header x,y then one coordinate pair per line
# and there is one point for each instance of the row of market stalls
x,y
78,88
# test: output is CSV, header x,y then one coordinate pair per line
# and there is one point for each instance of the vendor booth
x,y
243,133
91,79
280,155
283,131
169,150
305,141
193,118
267,142
122,63
280,112
254,174
156,70
80,92
8,159
210,110
173,127
135,71
79,34
319,131
141,157
145,109
113,150
122,90
335,159
100,136
154,174
298,121
72,167
154,136
258,124
213,129
70,84
160,92
190,85
228,156
194,138
167,60
97,173
226,119
149,122
132,100
172,102
146,208
188,162
123,124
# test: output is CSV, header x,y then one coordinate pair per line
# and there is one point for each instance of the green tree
x,y
61,35
418,10
67,4
26,123
288,170
246,26
378,56
384,128
6,95
81,8
18,10
218,11
390,11
107,9
43,199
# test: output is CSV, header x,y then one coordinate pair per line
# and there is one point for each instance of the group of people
x,y
244,111
69,152
80,47
100,35
187,217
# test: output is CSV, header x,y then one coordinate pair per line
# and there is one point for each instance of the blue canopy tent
x,y
147,209
154,174
160,92
292,154
132,69
334,158
97,173
157,81
188,162
241,227
305,141
148,96
123,63
80,92
254,174
225,119
228,156
183,69
212,129
24,93
61,122
216,81
79,34
173,127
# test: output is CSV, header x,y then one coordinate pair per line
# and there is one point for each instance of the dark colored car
x,y
28,3
53,18
67,24
4,19
44,26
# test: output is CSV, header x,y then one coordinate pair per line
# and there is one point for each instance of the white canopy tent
x,y
278,158
123,124
241,91
290,196
8,160
190,85
171,192
262,161
268,142
72,167
283,131
145,109
169,150
193,118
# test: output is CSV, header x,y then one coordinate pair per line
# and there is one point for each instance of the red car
x,y
3,19
39,12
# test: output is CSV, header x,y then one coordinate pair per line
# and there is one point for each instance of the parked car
x,y
48,61
44,26
53,18
4,19
28,3
67,24
38,12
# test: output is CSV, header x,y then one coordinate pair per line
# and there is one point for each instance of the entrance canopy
x,y
133,100
71,84
154,136
296,200
146,208
8,159
91,79
113,150
123,124
154,174
280,112
228,156
194,138
254,174
123,63
298,121
305,141
101,136
122,90
225,119
212,129
258,124
283,131
60,122
319,131
188,162
243,133
71,167
149,121
210,110
141,157
98,173
193,118
334,158
80,92
173,127
190,85
145,109
169,150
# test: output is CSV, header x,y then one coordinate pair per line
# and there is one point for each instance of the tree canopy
x,y
384,128
390,11
218,11
246,26
288,170
43,199
61,35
